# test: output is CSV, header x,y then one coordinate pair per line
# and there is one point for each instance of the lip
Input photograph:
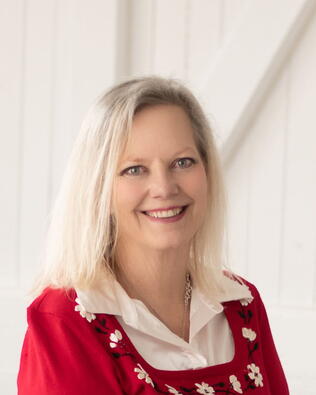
x,y
164,208
170,219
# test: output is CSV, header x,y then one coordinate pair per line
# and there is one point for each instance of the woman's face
x,y
160,168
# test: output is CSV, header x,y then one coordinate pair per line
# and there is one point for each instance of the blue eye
x,y
186,159
128,171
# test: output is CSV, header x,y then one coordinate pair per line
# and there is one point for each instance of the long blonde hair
x,y
82,234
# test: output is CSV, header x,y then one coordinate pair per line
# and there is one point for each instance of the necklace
x,y
187,298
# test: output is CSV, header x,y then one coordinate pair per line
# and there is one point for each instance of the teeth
x,y
165,214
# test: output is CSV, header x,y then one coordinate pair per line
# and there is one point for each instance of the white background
x,y
251,63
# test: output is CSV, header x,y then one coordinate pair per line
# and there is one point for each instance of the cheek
x,y
199,188
200,197
128,196
198,183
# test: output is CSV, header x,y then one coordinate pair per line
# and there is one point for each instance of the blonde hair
x,y
82,235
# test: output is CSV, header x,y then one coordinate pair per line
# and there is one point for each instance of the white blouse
x,y
210,341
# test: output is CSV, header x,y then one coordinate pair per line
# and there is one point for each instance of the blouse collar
x,y
111,298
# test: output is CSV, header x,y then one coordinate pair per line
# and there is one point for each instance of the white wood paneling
x,y
299,238
13,326
87,49
62,119
94,48
249,60
276,205
11,102
232,14
36,130
170,27
141,38
266,164
204,36
293,333
237,180
254,178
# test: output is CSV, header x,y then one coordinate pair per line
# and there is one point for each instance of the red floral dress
x,y
69,351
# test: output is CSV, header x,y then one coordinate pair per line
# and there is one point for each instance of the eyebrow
x,y
138,160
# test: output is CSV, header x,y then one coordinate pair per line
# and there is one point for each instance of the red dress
x,y
67,351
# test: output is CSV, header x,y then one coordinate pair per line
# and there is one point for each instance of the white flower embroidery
x,y
235,383
255,374
245,301
204,389
249,334
89,316
173,390
115,338
142,374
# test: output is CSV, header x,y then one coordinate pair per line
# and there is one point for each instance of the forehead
x,y
161,112
159,128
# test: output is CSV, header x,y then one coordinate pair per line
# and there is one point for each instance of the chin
x,y
167,243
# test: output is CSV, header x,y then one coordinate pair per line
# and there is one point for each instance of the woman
x,y
134,298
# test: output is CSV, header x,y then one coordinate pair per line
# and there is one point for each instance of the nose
x,y
163,184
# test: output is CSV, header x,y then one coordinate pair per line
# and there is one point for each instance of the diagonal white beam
x,y
249,61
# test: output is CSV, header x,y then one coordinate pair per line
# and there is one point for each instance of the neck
x,y
158,277
159,281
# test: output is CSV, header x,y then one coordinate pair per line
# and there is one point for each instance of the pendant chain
x,y
187,298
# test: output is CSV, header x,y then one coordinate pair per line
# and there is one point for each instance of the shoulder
x,y
54,301
253,291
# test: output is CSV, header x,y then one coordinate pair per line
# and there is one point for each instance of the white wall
x,y
57,55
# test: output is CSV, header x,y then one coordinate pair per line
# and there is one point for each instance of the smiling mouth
x,y
165,213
